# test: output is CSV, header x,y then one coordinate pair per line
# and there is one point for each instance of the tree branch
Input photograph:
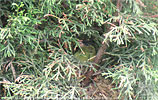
x,y
97,60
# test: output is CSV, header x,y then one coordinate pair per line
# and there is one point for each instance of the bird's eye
x,y
86,44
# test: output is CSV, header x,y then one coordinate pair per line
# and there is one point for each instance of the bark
x,y
97,60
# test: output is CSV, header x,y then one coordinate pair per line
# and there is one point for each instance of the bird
x,y
86,53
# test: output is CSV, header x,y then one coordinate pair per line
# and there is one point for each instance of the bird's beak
x,y
81,43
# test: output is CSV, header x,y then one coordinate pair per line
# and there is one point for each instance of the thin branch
x,y
97,60
119,5
140,3
12,68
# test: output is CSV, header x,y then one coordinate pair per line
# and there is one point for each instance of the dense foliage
x,y
39,38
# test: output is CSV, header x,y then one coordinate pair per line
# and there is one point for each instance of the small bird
x,y
86,53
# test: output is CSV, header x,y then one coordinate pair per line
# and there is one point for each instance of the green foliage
x,y
41,36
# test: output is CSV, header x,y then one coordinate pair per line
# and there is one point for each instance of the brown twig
x,y
10,64
119,5
97,60
152,16
99,55
140,3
